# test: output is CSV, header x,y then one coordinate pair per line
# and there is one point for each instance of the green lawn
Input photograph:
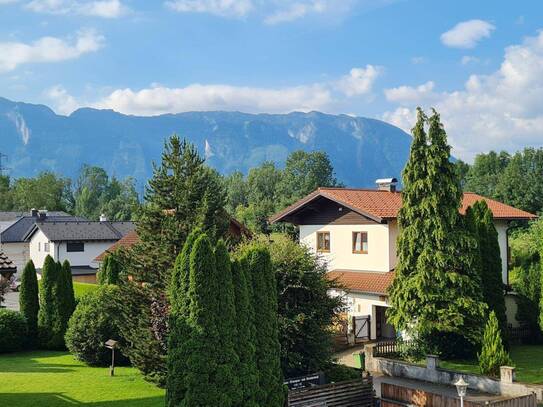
x,y
55,379
528,359
81,289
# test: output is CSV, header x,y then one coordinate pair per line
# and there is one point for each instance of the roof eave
x,y
322,194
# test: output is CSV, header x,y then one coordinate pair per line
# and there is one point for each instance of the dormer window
x,y
360,242
323,242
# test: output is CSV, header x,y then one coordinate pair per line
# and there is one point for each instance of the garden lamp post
x,y
461,388
112,344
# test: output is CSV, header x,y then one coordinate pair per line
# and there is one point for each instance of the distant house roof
x,y
6,216
81,231
6,265
129,240
77,270
382,205
235,228
18,230
363,281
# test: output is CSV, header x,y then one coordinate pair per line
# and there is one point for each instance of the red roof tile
x,y
126,242
382,205
363,281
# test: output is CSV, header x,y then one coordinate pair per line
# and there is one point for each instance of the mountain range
x,y
35,138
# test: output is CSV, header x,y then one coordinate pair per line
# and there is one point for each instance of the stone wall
x,y
434,374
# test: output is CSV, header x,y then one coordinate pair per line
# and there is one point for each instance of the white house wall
x,y
501,227
37,252
85,258
341,256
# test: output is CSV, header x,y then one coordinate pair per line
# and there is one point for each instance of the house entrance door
x,y
361,324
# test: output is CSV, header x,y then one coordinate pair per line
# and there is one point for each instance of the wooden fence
x,y
353,393
396,396
519,334
390,349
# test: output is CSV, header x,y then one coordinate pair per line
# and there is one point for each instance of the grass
x,y
528,360
56,379
81,289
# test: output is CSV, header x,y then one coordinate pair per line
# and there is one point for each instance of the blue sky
x,y
479,62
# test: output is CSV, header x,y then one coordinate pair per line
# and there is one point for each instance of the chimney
x,y
386,184
42,214
103,218
34,212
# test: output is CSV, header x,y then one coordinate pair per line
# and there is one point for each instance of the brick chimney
x,y
386,184
42,214
34,212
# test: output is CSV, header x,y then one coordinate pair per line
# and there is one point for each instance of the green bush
x,y
493,353
13,331
94,321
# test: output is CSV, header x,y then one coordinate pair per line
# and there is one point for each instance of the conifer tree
x,y
226,325
270,391
68,298
29,301
193,357
490,263
180,279
246,335
437,291
49,315
182,194
493,353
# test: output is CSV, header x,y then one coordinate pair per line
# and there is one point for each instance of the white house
x,y
14,226
355,232
79,242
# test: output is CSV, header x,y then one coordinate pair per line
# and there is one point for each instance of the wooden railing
x,y
391,348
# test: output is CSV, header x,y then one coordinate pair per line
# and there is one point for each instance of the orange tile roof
x,y
363,281
126,242
383,205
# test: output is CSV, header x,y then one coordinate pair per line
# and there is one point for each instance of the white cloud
x,y
274,11
498,111
64,102
223,8
159,99
359,81
48,49
94,8
467,59
3,2
411,94
290,11
467,34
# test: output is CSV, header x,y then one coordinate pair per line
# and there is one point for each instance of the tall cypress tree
x,y
226,326
49,315
29,301
270,391
437,292
180,278
193,358
68,298
490,263
411,240
246,335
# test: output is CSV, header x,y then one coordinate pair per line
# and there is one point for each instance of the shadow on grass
x,y
26,362
60,400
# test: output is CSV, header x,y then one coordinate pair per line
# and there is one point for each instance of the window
x,y
323,242
46,247
39,246
75,247
360,242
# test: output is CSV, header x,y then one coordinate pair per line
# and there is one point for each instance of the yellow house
x,y
355,232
